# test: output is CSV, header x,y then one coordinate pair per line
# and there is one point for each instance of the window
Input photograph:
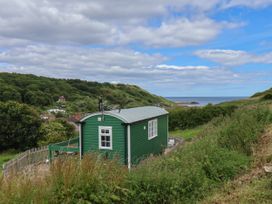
x,y
105,137
152,129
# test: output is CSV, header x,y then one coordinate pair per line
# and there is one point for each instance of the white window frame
x,y
100,134
152,128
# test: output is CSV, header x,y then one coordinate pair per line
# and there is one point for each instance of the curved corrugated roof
x,y
132,115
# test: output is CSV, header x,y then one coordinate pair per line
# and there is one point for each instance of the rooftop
x,y
132,115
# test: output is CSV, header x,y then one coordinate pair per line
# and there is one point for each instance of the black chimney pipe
x,y
100,105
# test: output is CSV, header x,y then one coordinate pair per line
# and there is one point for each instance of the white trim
x,y
105,113
128,147
109,134
154,132
80,142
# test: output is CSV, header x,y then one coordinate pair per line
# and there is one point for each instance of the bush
x,y
182,118
19,127
56,131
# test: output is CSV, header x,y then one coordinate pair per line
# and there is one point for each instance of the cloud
x,y
100,64
178,33
233,57
174,67
247,3
74,62
104,22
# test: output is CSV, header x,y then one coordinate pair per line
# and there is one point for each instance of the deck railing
x,y
69,146
24,159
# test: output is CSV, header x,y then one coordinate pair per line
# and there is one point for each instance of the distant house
x,y
56,110
47,116
61,99
128,134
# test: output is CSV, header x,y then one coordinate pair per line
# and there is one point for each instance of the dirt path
x,y
242,185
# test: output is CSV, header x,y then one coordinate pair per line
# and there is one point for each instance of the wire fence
x,y
24,159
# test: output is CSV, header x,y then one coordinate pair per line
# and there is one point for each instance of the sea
x,y
203,101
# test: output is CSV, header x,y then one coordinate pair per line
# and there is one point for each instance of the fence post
x,y
4,169
50,153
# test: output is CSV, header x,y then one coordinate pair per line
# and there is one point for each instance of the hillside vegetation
x,y
25,99
264,98
263,94
224,150
80,95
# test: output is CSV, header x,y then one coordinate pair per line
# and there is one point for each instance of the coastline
x,y
202,101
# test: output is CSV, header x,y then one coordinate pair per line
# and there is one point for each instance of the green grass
x,y
188,133
6,156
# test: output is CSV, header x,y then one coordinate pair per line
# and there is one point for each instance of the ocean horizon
x,y
205,100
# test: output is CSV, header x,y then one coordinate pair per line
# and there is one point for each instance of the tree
x,y
19,127
8,93
38,98
56,131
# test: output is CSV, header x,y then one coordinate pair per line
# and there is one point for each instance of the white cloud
x,y
247,3
176,33
165,66
77,62
107,22
234,57
99,64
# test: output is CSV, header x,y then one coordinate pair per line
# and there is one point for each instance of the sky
x,y
170,48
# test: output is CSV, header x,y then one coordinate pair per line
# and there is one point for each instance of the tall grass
x,y
190,173
185,176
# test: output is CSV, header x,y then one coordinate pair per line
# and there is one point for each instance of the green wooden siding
x,y
141,147
90,137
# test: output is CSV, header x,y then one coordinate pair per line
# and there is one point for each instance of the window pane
x,y
105,134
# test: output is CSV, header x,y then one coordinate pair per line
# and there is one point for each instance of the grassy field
x,y
187,134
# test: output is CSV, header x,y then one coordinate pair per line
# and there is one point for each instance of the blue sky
x,y
175,48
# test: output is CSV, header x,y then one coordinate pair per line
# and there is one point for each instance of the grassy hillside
x,y
255,186
263,94
80,95
225,149
264,98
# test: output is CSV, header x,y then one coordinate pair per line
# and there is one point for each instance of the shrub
x,y
56,131
19,126
182,118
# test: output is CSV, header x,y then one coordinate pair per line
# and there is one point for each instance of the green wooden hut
x,y
129,134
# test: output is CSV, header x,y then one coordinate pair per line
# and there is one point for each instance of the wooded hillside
x,y
80,95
